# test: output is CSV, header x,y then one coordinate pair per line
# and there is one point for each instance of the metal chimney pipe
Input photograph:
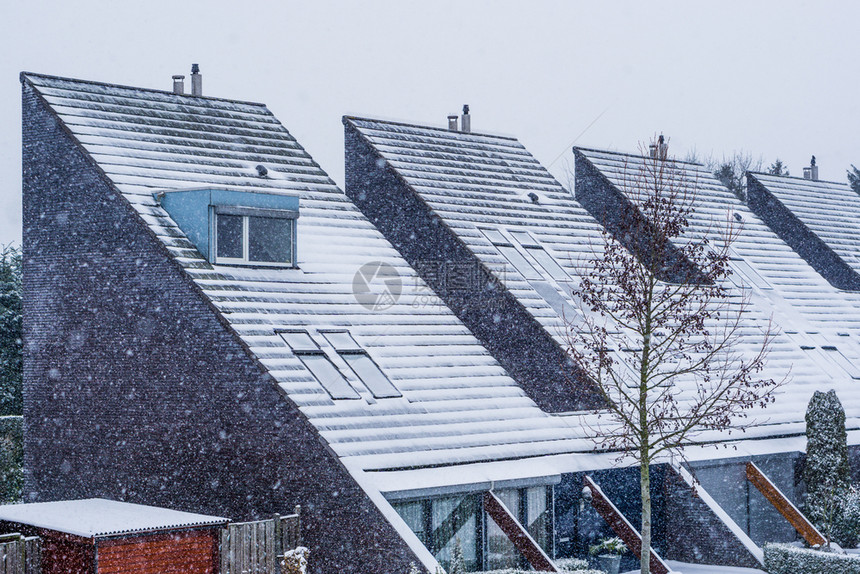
x,y
179,84
811,172
452,123
466,126
196,81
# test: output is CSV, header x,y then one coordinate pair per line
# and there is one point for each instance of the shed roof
x,y
99,517
475,182
458,405
829,209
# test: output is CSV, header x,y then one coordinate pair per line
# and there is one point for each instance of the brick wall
x,y
135,390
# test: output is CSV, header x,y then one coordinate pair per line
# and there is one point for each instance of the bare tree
x,y
662,335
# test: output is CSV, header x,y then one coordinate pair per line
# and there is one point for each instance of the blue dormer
x,y
236,227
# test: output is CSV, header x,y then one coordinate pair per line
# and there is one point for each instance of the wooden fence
x,y
256,547
20,554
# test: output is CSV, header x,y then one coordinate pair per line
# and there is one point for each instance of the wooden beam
x,y
517,534
788,510
621,526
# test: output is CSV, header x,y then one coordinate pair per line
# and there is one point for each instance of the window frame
x,y
356,350
245,213
318,352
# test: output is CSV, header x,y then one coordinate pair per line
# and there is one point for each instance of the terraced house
x,y
484,200
212,325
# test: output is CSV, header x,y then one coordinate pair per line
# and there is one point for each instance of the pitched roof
x,y
99,517
458,404
828,209
478,181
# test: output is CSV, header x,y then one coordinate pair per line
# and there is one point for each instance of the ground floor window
x,y
444,522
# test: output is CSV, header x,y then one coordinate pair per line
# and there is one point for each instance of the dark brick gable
x,y
134,389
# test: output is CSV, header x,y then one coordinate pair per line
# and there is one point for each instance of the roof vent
x,y
262,171
452,123
811,172
466,124
534,197
179,84
196,81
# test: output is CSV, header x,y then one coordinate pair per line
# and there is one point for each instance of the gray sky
x,y
771,78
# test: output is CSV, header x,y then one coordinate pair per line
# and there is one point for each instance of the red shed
x,y
98,536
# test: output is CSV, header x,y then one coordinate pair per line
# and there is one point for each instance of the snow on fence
x,y
20,554
257,547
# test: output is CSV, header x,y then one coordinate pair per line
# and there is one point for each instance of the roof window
x,y
332,378
320,366
361,364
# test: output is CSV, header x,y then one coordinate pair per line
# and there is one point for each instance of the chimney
x,y
452,123
662,147
179,84
811,172
466,125
196,81
652,151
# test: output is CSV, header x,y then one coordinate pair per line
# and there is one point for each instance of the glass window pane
x,y
370,374
229,236
501,552
536,515
342,341
549,264
519,262
329,377
299,341
270,239
495,237
525,239
413,514
455,520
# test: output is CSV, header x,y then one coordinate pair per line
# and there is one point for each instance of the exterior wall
x,y
804,242
134,389
694,533
191,552
614,211
726,482
498,320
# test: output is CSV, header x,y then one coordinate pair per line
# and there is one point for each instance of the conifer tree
x,y
11,334
854,178
826,472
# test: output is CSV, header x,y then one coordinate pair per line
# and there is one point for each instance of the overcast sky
x,y
777,79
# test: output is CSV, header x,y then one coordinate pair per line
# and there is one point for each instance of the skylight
x,y
362,365
316,361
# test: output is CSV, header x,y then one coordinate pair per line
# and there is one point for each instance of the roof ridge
x,y
757,173
25,76
638,156
425,127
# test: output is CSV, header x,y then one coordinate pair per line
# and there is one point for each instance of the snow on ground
x,y
686,568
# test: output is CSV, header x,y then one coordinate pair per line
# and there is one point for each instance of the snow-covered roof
x,y
477,182
828,209
813,316
99,517
458,405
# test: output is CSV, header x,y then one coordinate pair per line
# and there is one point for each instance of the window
x,y
312,357
362,365
541,255
741,268
253,236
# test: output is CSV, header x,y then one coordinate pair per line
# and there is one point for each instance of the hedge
x,y
787,559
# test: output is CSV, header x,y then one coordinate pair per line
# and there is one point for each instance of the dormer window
x,y
254,236
233,227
